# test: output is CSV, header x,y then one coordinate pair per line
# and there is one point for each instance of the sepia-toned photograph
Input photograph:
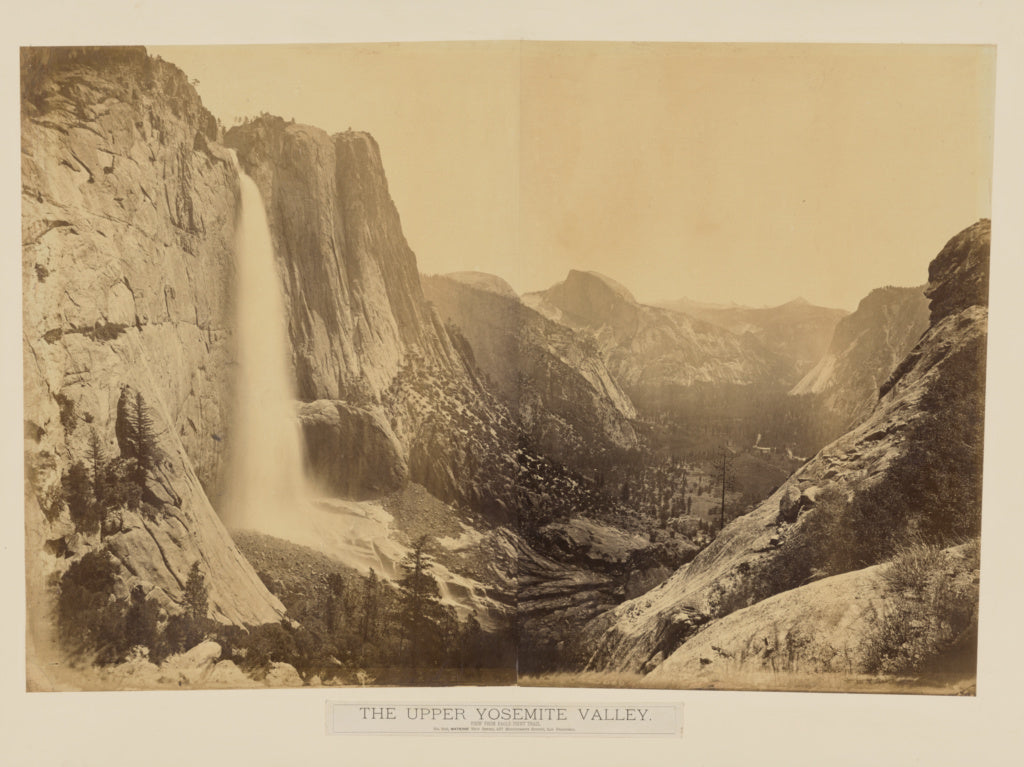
x,y
551,364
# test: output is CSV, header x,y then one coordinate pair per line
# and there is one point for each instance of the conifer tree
x,y
97,466
142,437
723,478
371,601
196,595
420,602
335,595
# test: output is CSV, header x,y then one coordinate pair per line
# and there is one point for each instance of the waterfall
x,y
266,488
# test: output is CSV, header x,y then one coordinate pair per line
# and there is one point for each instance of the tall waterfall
x,y
265,489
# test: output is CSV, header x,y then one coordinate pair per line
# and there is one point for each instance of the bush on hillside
x,y
932,616
89,620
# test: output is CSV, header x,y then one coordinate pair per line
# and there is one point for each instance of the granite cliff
x,y
865,347
356,311
128,215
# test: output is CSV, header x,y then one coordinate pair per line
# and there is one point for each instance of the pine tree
x,y
420,603
196,595
370,605
335,596
470,640
97,466
142,437
724,478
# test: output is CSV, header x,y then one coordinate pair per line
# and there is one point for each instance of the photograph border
x,y
286,727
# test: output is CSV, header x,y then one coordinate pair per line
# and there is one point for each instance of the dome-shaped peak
x,y
591,280
491,283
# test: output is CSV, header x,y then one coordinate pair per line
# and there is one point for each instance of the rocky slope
x,y
830,626
797,331
652,351
865,347
552,378
128,211
772,548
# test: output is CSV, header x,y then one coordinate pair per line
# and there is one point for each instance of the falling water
x,y
265,488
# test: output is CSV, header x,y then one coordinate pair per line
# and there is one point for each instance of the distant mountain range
x,y
652,350
797,331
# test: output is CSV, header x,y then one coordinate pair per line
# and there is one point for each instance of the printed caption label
x,y
631,719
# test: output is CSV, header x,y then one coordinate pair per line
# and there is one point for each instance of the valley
x,y
446,482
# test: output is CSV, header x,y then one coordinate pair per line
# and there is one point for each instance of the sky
x,y
748,173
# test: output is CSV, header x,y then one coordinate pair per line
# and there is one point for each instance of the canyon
x,y
548,458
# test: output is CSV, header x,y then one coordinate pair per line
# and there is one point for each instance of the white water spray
x,y
266,487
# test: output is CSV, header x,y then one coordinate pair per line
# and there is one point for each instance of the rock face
x,y
824,626
958,277
373,362
552,377
652,351
797,331
356,309
655,624
866,346
127,228
353,450
814,628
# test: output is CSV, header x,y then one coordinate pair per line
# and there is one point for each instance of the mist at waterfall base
x,y
266,488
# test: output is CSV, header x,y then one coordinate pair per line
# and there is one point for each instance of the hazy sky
x,y
726,173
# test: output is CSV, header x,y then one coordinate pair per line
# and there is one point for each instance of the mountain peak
x,y
484,281
579,278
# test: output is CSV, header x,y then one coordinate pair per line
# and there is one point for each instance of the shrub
x,y
86,512
120,484
89,619
68,416
912,568
181,633
268,643
932,614
141,622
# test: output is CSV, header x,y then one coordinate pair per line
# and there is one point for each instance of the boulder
x,y
227,674
283,675
352,450
789,504
191,668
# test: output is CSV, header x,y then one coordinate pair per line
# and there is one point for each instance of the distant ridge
x,y
653,351
484,281
797,330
